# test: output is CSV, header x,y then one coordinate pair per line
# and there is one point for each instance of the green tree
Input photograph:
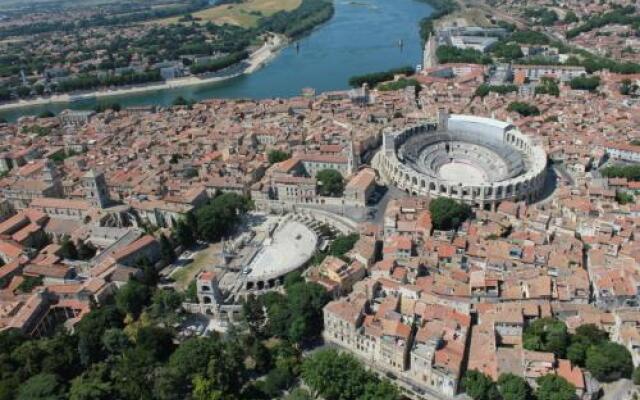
x,y
609,361
570,17
115,341
156,341
342,244
132,297
636,376
586,335
479,386
547,334
299,394
41,387
205,389
68,249
90,331
339,376
548,86
330,183
181,101
447,213
167,254
585,83
94,384
554,387
524,109
384,390
216,219
513,387
86,251
133,374
46,114
276,156
165,306
185,231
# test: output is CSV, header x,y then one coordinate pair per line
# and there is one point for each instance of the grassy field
x,y
465,17
246,14
202,260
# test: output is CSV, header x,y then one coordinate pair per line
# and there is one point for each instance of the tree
x,y
227,372
384,390
156,341
181,101
90,331
585,83
132,297
298,315
570,17
447,213
554,387
39,89
253,315
278,379
479,386
133,374
115,341
299,394
451,54
94,384
185,231
86,251
165,306
330,183
204,389
276,156
216,219
636,376
548,86
586,335
513,387
46,114
167,254
68,249
23,91
342,244
547,334
524,109
339,376
41,387
609,361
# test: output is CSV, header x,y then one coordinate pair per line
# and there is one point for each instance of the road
x,y
620,390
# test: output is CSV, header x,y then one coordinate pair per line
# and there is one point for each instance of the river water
x,y
363,36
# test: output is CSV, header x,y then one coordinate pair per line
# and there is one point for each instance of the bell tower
x,y
94,186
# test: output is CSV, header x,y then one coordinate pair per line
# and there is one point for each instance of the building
x,y
479,161
208,291
623,152
94,187
360,188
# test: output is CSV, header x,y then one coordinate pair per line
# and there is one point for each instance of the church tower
x,y
443,119
94,186
352,157
51,176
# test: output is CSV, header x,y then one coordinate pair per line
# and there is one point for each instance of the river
x,y
363,36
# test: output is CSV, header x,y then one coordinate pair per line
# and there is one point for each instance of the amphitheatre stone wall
x,y
480,161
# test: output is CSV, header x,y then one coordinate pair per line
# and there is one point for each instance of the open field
x,y
246,14
203,260
467,16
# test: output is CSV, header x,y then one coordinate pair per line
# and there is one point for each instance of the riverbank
x,y
258,59
352,42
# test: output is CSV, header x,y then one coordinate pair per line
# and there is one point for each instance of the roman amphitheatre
x,y
476,160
